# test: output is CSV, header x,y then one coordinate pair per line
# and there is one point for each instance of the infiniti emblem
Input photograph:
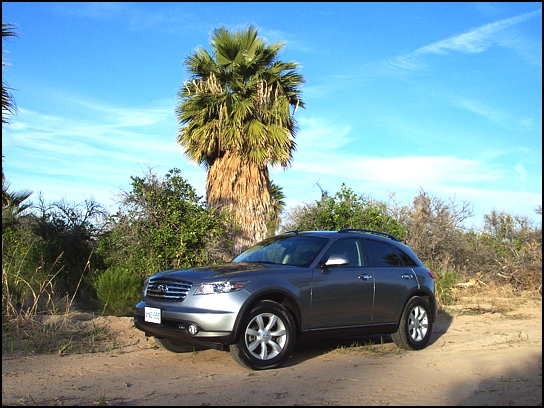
x,y
162,289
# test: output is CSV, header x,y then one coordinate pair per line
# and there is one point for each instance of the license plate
x,y
152,315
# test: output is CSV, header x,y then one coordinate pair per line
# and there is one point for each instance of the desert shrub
x,y
435,230
28,282
48,251
68,234
445,287
506,250
161,224
118,290
345,209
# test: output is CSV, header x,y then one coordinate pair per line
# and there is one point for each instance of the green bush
x,y
345,209
47,253
118,290
445,283
162,224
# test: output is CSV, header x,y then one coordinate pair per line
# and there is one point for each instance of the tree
x,y
236,119
8,103
276,208
12,202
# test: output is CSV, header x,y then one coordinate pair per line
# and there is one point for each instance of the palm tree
x,y
12,203
8,103
277,205
236,119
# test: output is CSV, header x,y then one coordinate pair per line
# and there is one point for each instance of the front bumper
x,y
214,328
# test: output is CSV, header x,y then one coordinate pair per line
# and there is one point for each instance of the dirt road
x,y
477,357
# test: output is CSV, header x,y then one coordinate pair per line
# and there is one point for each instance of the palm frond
x,y
9,107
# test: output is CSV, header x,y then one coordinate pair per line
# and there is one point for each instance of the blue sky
x,y
400,98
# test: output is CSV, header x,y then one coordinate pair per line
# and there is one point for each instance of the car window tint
x,y
348,248
408,261
381,254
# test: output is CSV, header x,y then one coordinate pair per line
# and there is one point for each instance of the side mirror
x,y
336,260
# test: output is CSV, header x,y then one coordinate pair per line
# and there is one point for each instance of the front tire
x,y
267,337
415,325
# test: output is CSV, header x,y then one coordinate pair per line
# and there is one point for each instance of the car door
x,y
342,295
393,280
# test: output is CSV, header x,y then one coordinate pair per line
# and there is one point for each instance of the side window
x,y
348,248
381,254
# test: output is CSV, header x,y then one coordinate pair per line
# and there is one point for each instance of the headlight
x,y
219,287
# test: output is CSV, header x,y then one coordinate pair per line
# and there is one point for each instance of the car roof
x,y
345,231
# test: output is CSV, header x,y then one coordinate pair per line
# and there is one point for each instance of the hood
x,y
214,272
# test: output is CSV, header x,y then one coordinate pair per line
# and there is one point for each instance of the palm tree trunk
x,y
244,189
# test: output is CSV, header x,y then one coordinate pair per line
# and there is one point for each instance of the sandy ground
x,y
479,357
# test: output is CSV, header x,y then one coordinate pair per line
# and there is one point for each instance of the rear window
x,y
408,261
381,254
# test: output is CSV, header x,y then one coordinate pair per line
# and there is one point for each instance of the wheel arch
x,y
425,295
277,295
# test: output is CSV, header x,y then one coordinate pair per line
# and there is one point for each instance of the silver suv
x,y
292,287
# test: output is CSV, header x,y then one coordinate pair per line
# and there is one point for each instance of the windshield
x,y
297,250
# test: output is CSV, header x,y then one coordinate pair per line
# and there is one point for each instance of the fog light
x,y
192,329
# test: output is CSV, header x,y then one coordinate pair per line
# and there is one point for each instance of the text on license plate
x,y
152,315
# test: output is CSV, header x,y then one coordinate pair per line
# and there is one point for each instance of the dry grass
x,y
72,332
493,295
370,348
44,323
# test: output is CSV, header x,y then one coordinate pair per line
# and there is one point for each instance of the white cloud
x,y
411,172
477,40
480,109
474,41
318,134
94,154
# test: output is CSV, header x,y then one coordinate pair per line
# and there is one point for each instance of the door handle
x,y
365,277
407,277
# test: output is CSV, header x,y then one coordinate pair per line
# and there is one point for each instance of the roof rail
x,y
383,234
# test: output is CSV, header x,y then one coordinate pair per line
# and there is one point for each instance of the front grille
x,y
167,289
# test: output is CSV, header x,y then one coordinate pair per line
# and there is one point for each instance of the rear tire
x,y
415,325
267,337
